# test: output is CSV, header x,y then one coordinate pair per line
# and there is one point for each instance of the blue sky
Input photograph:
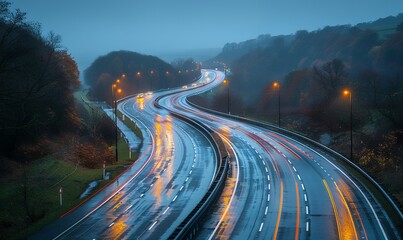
x,y
90,28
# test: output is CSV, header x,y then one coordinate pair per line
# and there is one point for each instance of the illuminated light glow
x,y
347,226
261,226
336,214
296,237
166,210
280,209
152,226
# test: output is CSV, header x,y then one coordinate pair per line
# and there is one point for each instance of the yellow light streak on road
x,y
336,214
280,209
298,212
348,228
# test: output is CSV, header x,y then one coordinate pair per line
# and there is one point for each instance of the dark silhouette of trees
x,y
36,82
139,73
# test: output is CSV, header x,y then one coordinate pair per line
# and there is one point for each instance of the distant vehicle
x,y
185,87
149,93
162,116
140,95
194,85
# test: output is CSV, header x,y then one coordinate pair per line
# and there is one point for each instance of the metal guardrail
x,y
192,223
317,144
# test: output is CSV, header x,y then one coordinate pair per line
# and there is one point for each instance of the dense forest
x,y
37,77
313,69
137,73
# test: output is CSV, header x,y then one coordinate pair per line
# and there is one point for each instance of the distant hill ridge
x,y
232,51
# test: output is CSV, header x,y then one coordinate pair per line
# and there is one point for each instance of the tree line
x,y
313,69
37,77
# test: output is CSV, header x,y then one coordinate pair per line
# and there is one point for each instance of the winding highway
x,y
280,188
276,187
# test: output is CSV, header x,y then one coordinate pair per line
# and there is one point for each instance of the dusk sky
x,y
90,28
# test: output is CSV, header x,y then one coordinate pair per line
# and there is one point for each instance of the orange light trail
x,y
349,231
298,212
336,214
280,209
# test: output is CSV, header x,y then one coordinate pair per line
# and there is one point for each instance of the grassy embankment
x,y
44,177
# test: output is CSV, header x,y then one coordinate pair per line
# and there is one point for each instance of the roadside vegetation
x,y
49,139
313,69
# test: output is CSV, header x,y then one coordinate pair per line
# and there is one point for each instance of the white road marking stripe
x,y
173,200
306,199
268,197
295,170
152,226
307,226
165,211
299,177
261,226
302,185
267,209
306,210
111,224
181,189
187,179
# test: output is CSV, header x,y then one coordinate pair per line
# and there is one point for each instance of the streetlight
x,y
276,85
348,92
116,91
226,82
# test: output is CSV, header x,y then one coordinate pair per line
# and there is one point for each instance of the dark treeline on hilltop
x,y
137,72
36,82
313,68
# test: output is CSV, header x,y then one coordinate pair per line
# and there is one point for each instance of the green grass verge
x,y
44,177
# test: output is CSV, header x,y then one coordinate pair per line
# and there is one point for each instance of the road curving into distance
x,y
277,187
281,188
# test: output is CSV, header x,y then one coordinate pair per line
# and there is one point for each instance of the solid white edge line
x,y
233,193
359,189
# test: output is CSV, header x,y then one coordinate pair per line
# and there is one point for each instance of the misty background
x,y
181,29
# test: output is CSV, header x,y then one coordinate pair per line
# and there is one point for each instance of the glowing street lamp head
x,y
123,75
346,92
117,80
138,74
225,81
276,84
119,91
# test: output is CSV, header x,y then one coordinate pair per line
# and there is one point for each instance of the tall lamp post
x,y
226,82
115,92
276,85
349,93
